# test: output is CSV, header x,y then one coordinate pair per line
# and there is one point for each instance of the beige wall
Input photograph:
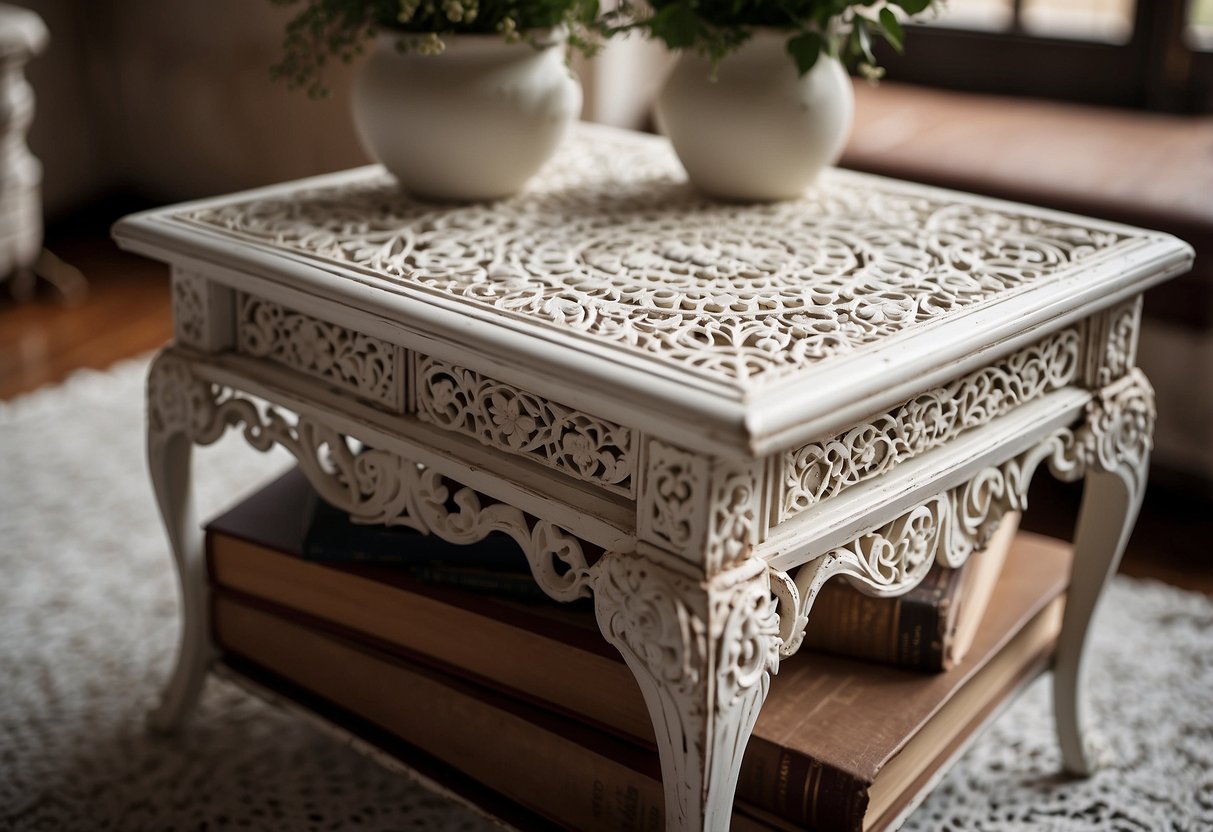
x,y
172,99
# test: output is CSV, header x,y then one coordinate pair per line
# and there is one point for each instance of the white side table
x,y
734,403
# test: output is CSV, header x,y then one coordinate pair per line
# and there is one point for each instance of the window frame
x,y
1155,69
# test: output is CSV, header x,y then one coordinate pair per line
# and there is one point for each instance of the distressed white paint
x,y
547,403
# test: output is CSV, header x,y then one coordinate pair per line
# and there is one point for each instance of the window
x,y
1154,54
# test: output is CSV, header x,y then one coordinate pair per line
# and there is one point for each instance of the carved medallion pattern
x,y
820,470
507,418
1113,343
733,521
190,308
366,366
674,498
609,243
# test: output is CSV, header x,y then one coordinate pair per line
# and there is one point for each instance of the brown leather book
x,y
929,628
825,749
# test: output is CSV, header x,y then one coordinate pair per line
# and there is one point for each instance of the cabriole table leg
x,y
702,650
169,452
1117,439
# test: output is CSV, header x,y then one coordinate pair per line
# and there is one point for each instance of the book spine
x,y
515,585
572,774
800,790
910,631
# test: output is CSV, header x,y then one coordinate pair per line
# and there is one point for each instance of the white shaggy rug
x,y
88,626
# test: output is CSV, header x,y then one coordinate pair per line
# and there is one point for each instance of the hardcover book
x,y
826,748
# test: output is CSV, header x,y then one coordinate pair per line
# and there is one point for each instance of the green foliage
x,y
843,29
323,31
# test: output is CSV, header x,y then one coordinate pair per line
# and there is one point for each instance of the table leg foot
x,y
170,451
1111,500
702,650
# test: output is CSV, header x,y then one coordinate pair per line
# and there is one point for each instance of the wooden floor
x,y
127,313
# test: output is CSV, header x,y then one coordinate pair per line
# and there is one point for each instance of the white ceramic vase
x,y
472,123
759,131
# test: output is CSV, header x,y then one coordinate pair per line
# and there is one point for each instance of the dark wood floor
x,y
127,313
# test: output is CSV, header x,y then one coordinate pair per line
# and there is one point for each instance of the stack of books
x,y
444,657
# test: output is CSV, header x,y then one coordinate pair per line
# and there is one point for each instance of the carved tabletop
x,y
735,402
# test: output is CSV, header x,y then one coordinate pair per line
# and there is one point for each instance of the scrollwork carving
x,y
514,420
1115,435
820,470
609,245
368,367
1112,343
703,652
372,485
888,560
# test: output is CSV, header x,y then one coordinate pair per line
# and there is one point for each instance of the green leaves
x,y
843,29
338,29
912,7
891,28
677,25
804,49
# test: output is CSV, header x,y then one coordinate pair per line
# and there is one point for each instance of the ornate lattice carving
x,y
610,244
513,420
1114,436
820,470
373,486
703,652
368,367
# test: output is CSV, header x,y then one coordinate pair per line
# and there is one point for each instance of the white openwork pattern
x,y
611,244
508,418
820,470
948,527
365,366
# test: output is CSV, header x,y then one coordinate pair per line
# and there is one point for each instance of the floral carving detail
x,y
372,485
610,245
733,526
1117,434
820,470
506,417
365,366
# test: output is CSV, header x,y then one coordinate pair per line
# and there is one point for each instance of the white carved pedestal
x,y
697,413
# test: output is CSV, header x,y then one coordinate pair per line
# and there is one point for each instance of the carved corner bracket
x,y
708,510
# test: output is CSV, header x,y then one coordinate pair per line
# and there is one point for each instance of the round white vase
x,y
472,123
759,131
